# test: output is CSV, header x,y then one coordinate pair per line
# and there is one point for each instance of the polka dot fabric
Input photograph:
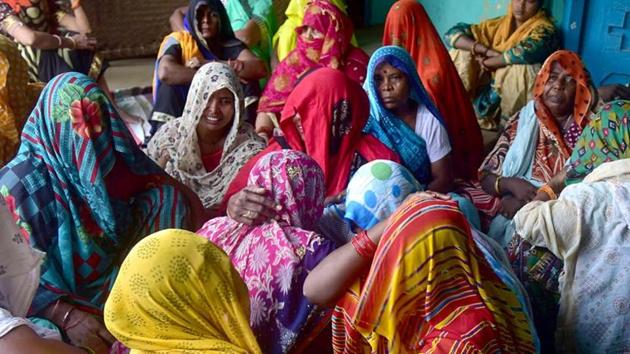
x,y
375,191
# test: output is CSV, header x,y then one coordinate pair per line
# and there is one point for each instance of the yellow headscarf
x,y
178,291
497,34
285,38
17,98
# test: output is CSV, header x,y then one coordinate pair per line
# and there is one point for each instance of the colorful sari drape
x,y
192,45
408,26
45,16
177,142
527,46
274,258
17,98
407,303
333,50
76,154
606,138
325,122
285,39
388,128
541,142
261,11
178,292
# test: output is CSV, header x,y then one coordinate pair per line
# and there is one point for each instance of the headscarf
x,y
606,138
431,289
286,37
376,190
408,26
329,51
497,33
56,188
391,130
225,34
586,97
178,292
19,266
177,140
328,129
17,97
271,257
192,43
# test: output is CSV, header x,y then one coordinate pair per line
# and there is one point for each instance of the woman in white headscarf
x,y
207,146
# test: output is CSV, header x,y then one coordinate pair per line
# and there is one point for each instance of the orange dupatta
x,y
585,95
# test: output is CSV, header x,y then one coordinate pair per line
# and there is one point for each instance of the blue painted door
x,y
599,30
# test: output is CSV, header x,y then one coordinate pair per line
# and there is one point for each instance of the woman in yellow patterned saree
x,y
178,292
498,59
17,98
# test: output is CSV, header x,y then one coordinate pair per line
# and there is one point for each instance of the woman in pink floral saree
x,y
274,258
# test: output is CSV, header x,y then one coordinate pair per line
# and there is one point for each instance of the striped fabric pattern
x,y
429,290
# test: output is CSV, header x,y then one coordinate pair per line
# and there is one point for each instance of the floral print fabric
x,y
274,258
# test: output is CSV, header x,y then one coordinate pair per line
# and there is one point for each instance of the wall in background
x,y
446,13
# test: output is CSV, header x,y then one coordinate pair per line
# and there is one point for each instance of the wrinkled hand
x,y
614,92
82,41
86,330
510,205
251,206
520,188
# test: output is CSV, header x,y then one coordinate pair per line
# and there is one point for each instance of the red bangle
x,y
364,245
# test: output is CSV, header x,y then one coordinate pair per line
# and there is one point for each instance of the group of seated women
x,y
353,212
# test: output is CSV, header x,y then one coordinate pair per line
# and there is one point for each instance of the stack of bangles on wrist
x,y
549,191
364,246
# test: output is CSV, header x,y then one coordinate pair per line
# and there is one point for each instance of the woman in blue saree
x,y
83,192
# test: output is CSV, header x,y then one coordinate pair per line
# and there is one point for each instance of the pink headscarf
x,y
333,50
270,256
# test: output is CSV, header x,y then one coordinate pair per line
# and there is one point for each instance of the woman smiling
x,y
207,161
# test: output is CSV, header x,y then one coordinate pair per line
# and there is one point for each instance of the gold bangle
x,y
58,40
496,185
87,349
549,191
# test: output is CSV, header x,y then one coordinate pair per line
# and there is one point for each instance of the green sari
x,y
242,11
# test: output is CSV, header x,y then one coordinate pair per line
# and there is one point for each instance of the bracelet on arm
x,y
54,309
549,191
497,187
87,349
64,322
75,4
364,246
59,40
74,43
